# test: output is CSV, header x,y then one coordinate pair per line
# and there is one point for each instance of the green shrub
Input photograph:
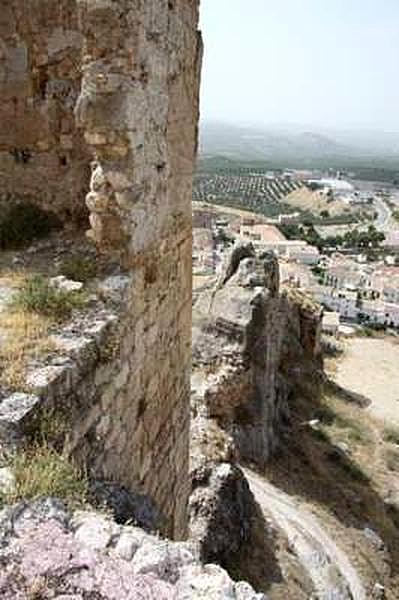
x,y
38,296
351,429
325,414
392,459
79,268
355,471
391,435
321,435
351,468
365,332
24,222
41,471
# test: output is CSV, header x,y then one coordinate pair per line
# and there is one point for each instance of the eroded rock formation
x,y
255,348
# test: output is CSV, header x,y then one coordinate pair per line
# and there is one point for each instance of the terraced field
x,y
255,191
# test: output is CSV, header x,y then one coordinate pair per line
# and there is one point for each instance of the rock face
x,y
117,82
252,345
222,510
49,553
255,346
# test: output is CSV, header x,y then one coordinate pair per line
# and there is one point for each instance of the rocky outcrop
x,y
221,509
255,348
252,345
47,552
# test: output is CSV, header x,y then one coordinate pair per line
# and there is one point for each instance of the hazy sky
x,y
331,63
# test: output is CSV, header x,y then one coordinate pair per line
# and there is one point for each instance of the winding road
x,y
329,568
383,221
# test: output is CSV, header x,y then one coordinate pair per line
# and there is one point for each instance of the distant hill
x,y
296,148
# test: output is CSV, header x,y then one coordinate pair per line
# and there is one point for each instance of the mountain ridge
x,y
295,144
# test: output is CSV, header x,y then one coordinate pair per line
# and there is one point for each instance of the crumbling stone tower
x,y
117,82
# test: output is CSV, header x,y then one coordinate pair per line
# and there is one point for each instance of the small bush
x,y
392,459
352,430
38,296
331,346
325,414
79,268
351,468
391,435
321,435
365,332
355,471
24,222
41,471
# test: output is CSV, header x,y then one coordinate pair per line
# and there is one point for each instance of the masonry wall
x,y
137,112
42,156
138,109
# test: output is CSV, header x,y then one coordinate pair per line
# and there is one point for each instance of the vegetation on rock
x,y
41,471
79,268
37,295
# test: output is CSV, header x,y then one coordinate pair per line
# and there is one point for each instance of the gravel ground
x,y
371,367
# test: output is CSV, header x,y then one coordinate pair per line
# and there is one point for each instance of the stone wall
x,y
137,111
138,108
42,155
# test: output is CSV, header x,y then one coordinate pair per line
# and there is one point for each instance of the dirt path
x,y
330,570
370,367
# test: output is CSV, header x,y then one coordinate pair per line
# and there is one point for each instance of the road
x,y
384,219
332,574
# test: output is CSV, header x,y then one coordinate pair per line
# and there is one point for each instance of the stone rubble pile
x,y
47,552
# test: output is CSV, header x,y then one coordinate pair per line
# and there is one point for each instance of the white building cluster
x,y
361,292
267,238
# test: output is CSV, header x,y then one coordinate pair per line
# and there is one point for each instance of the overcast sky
x,y
332,63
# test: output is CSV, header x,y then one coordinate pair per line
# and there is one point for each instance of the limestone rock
x,y
165,559
114,288
46,550
126,506
253,348
7,480
221,511
93,531
210,581
66,285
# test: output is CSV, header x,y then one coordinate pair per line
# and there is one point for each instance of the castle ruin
x,y
98,118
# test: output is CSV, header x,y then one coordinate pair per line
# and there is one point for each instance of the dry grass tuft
x,y
24,328
391,456
25,338
40,471
12,279
342,421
